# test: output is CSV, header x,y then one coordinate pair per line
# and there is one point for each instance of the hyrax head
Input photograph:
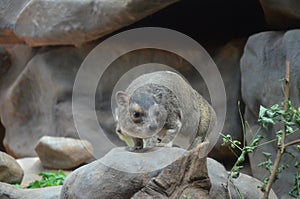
x,y
141,114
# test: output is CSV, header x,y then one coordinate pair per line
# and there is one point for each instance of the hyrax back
x,y
161,108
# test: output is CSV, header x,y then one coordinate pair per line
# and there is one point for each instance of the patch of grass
x,y
49,179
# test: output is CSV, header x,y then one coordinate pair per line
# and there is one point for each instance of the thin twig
x,y
292,143
282,143
228,186
243,124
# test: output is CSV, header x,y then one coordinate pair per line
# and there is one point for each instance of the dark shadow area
x,y
210,22
2,135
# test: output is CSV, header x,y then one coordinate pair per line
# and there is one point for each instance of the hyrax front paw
x,y
134,148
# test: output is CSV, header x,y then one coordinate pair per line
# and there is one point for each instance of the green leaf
x,y
49,179
267,155
262,111
297,164
289,129
235,175
267,120
18,186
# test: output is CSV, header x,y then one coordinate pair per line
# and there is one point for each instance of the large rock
x,y
281,14
185,177
63,153
10,170
123,175
33,21
244,185
120,174
35,97
264,61
11,192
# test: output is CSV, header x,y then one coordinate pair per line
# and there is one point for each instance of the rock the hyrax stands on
x,y
162,109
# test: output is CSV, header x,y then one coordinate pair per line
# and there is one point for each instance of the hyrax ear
x,y
122,98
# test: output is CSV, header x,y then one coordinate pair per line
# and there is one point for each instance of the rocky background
x,y
43,43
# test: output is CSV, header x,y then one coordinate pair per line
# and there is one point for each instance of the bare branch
x,y
282,144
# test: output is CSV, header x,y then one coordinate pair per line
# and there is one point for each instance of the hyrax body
x,y
161,108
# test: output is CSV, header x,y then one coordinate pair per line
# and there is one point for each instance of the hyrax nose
x,y
118,130
152,127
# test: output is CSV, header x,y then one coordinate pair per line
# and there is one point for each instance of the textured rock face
x,y
245,185
185,177
188,176
264,61
44,83
65,22
103,178
10,191
281,14
99,178
63,153
10,170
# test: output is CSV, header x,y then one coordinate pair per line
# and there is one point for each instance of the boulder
x,y
128,175
63,153
12,61
121,174
247,186
244,186
10,170
32,21
11,192
187,177
264,60
35,96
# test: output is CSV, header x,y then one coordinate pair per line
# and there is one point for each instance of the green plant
x,y
289,118
48,179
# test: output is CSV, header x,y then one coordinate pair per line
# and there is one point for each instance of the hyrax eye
x,y
136,114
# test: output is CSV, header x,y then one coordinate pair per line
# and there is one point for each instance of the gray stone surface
x,y
97,179
103,178
10,171
56,22
245,184
11,192
35,93
264,61
187,177
106,179
63,153
248,187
